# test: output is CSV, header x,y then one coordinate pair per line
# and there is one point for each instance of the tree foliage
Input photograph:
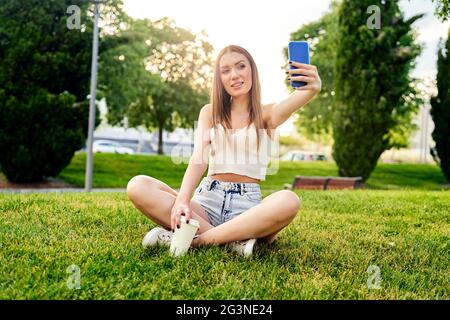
x,y
315,121
44,83
442,9
158,78
440,110
372,82
39,134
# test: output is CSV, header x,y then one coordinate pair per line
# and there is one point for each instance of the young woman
x,y
235,124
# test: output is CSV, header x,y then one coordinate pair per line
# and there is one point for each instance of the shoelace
x,y
165,236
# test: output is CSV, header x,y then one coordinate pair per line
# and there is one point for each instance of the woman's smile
x,y
237,85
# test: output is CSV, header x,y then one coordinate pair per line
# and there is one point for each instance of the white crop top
x,y
239,154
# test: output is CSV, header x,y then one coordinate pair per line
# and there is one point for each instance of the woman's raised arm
x,y
278,113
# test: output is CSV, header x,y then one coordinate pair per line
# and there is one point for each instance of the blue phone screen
x,y
298,51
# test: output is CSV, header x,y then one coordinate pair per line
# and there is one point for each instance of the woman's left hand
x,y
309,74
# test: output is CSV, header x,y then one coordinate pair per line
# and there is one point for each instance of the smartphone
x,y
298,51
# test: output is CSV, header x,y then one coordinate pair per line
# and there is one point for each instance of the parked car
x,y
109,146
299,155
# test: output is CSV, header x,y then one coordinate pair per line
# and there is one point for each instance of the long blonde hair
x,y
221,100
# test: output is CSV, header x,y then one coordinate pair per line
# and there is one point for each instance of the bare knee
x,y
135,186
291,204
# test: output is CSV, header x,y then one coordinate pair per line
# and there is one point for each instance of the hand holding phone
x,y
298,51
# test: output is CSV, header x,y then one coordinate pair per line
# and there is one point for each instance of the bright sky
x,y
263,27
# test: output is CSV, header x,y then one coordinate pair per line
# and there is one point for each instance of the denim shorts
x,y
224,201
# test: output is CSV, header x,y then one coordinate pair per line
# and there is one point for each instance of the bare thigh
x,y
155,199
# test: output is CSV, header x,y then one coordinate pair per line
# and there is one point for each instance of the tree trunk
x,y
160,139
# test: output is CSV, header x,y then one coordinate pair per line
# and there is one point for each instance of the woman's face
x,y
235,73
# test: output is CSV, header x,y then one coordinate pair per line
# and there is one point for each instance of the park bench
x,y
324,183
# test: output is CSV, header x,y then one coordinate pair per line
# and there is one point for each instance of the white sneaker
x,y
157,236
244,248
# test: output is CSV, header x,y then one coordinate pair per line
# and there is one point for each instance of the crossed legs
x,y
263,221
155,199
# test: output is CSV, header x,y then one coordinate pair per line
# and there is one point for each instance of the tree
x,y
440,110
44,83
372,82
315,121
442,9
44,71
158,78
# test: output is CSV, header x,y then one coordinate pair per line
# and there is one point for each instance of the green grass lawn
x,y
323,254
114,171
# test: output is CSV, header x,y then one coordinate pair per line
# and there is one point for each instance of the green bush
x,y
44,81
39,134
